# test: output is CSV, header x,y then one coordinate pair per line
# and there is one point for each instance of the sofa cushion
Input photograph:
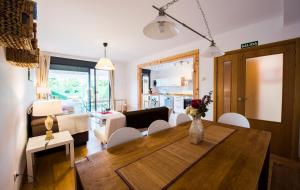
x,y
41,121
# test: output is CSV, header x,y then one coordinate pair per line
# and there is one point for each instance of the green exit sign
x,y
249,44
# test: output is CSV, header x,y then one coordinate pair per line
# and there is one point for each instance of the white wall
x,y
120,80
16,95
172,71
267,31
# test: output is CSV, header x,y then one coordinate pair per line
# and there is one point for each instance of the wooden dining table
x,y
229,157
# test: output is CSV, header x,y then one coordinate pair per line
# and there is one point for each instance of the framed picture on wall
x,y
31,74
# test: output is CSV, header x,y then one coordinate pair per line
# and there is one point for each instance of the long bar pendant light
x,y
105,63
163,27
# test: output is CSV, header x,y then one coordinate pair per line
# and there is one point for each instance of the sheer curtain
x,y
42,75
112,86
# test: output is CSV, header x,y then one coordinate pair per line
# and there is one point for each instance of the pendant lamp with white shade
x,y
105,63
161,28
213,51
164,27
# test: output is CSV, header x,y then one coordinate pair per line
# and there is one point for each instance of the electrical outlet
x,y
15,177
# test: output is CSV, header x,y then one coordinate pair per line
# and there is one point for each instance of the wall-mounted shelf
x,y
18,32
16,24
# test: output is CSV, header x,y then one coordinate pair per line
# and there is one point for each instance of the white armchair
x,y
113,122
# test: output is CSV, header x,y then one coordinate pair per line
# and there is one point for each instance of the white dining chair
x,y
158,125
182,118
172,119
123,135
234,119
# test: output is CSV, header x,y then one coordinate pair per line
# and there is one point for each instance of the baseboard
x,y
22,170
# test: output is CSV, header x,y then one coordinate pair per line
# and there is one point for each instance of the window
x,y
264,76
101,94
71,86
82,88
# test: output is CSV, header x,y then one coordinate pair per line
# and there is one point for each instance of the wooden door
x,y
262,89
227,84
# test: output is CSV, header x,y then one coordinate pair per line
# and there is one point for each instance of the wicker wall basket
x,y
16,23
23,58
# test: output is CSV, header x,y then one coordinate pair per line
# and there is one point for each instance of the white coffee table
x,y
36,144
103,117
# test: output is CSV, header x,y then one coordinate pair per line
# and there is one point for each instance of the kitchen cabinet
x,y
151,101
178,104
162,100
174,81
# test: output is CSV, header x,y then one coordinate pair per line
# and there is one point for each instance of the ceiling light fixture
x,y
105,63
163,27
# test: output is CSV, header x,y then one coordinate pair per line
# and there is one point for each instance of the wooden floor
x,y
284,174
53,170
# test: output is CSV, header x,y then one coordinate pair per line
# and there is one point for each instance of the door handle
x,y
242,99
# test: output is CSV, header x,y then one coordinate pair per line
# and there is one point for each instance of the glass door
x,y
100,90
264,83
72,87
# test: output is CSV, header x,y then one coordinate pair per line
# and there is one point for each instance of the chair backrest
x,y
182,118
172,119
234,119
158,125
123,135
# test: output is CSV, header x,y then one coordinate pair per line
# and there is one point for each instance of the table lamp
x,y
47,108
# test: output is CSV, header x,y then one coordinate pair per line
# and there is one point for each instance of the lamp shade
x,y
105,64
46,107
161,28
213,51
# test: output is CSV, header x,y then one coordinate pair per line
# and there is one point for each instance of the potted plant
x,y
198,109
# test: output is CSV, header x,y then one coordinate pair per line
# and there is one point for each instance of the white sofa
x,y
74,123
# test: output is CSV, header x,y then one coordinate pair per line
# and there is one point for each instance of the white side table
x,y
36,144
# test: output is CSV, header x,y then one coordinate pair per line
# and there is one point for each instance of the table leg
x,y
67,149
263,179
72,153
33,159
29,166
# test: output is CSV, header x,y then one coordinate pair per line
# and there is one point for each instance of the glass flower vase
x,y
196,131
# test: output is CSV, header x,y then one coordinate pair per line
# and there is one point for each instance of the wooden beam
x,y
215,88
196,75
139,85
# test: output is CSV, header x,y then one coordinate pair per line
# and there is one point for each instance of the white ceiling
x,y
78,27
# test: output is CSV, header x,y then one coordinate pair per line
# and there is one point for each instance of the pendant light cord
x,y
204,19
105,45
166,6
